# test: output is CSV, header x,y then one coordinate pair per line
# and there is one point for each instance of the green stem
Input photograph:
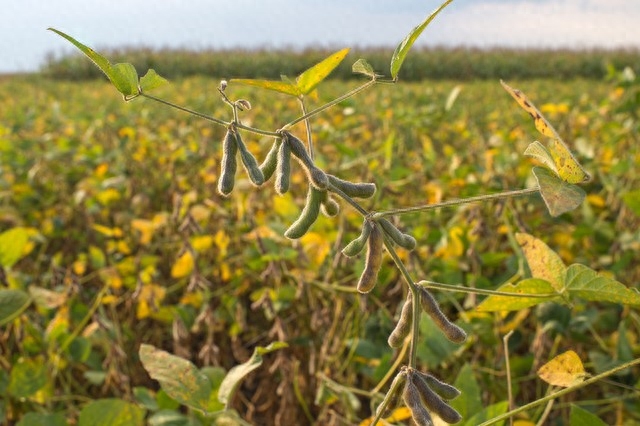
x,y
308,127
85,320
330,104
457,202
349,200
461,289
561,392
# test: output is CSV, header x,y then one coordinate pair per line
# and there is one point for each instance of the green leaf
x,y
405,45
111,412
559,196
310,78
470,400
587,284
43,419
235,376
543,262
581,417
488,413
277,86
541,153
27,377
12,304
540,291
361,66
151,80
12,245
632,201
123,76
179,378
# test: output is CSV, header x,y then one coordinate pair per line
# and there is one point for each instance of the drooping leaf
x,y
111,412
405,45
43,419
537,290
12,303
310,78
585,283
559,196
564,370
539,152
12,245
235,376
152,80
178,377
543,262
277,86
123,76
581,417
361,66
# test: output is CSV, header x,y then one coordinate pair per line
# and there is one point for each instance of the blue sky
x,y
24,41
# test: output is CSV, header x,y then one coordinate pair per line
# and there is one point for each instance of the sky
x,y
199,24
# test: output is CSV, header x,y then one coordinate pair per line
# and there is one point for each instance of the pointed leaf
x,y
111,412
585,283
361,66
405,45
12,304
178,377
151,80
99,60
539,152
559,196
277,86
581,417
235,376
564,370
543,262
527,293
309,79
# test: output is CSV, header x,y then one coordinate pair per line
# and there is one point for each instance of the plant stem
x,y
462,289
330,104
457,202
562,392
308,127
349,200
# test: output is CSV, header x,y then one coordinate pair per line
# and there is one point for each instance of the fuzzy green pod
x,y
431,307
392,399
355,190
433,402
283,169
316,176
308,215
357,245
445,390
229,164
373,262
249,162
268,166
413,401
330,207
405,241
403,327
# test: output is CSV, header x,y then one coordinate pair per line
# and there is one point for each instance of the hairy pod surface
x,y
308,215
228,164
445,390
403,327
413,401
316,176
392,399
283,169
355,190
405,241
249,162
330,207
431,307
373,262
357,245
433,402
268,166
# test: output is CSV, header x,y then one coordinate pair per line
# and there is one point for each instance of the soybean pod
x,y
431,307
445,390
308,215
413,401
373,262
317,177
405,241
249,162
228,164
283,169
357,245
268,166
355,190
403,327
433,402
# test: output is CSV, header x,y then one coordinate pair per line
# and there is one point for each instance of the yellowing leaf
x,y
310,78
146,229
543,262
222,241
183,266
316,246
524,294
149,300
564,370
202,243
108,232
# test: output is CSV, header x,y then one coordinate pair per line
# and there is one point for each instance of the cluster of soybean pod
x,y
422,393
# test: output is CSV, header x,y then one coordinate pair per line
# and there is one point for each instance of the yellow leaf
x,y
101,170
111,278
222,241
108,232
108,196
202,243
596,200
183,266
193,299
149,299
146,228
564,370
543,262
